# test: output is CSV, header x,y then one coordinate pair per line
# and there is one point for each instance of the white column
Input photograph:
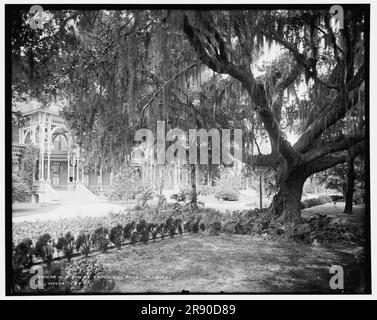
x,y
77,169
179,175
48,166
42,166
82,171
100,178
111,177
67,168
175,179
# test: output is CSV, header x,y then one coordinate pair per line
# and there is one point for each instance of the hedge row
x,y
25,253
308,203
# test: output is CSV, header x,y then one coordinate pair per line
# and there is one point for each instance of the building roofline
x,y
41,110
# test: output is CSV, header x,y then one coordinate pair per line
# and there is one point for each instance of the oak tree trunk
x,y
286,204
194,200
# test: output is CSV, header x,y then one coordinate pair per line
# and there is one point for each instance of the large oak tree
x,y
227,41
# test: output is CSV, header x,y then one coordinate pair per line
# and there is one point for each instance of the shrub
x,y
144,197
206,190
128,230
335,198
141,226
246,222
23,254
133,237
179,197
301,232
208,215
44,248
100,238
66,244
359,196
59,245
195,225
170,225
192,225
83,243
232,226
178,224
215,228
187,226
162,229
161,200
227,195
116,235
154,231
142,229
308,203
202,227
324,228
145,235
20,190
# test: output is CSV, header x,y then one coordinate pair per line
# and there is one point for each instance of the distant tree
x,y
22,176
20,190
345,178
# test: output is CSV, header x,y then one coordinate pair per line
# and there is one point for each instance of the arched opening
x,y
60,142
27,139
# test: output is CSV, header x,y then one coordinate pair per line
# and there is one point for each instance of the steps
x,y
78,196
46,193
85,192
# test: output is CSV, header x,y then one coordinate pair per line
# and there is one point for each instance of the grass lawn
x,y
237,263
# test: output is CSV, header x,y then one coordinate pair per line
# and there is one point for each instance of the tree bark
x,y
350,185
286,204
194,198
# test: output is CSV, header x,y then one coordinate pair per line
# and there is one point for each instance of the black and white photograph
x,y
187,149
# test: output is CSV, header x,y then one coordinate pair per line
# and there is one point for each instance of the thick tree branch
x,y
217,64
286,82
277,136
331,160
331,148
277,97
260,160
